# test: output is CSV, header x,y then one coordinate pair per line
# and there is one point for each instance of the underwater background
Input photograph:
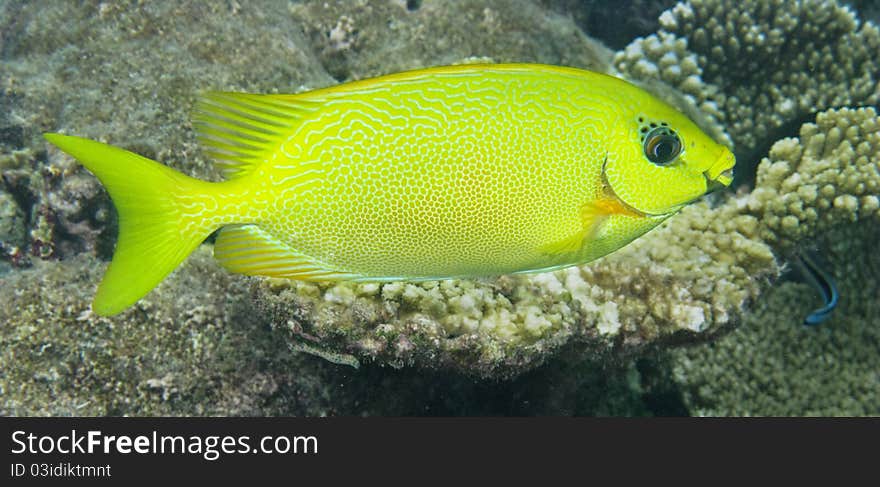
x,y
701,316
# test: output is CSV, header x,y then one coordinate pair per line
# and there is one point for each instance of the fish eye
x,y
662,146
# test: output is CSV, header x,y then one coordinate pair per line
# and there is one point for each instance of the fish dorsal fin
x,y
240,130
247,249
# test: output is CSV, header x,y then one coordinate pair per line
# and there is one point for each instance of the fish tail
x,y
155,235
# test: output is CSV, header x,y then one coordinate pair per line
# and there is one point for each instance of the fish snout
x,y
720,174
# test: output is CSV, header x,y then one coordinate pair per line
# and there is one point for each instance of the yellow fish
x,y
458,171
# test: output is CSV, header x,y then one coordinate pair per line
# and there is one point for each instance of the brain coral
x,y
757,65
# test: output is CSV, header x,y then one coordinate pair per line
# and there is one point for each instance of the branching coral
x,y
819,190
759,70
826,178
773,365
757,65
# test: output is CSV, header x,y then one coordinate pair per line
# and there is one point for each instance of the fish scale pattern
x,y
466,171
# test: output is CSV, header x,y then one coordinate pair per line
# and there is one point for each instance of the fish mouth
x,y
720,174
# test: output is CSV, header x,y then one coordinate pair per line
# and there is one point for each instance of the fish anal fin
x,y
247,249
240,130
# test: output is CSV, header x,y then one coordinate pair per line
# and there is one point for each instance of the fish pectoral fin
x,y
592,218
247,249
240,130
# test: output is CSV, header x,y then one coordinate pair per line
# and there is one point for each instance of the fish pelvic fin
x,y
155,233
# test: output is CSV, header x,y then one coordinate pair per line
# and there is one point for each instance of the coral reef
x,y
827,178
774,366
819,190
759,67
710,264
207,342
194,348
687,280
760,70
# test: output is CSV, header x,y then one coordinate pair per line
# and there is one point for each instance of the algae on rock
x,y
356,40
125,74
13,231
193,347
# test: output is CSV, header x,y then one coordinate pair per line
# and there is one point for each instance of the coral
x,y
689,279
194,348
757,66
827,178
817,191
775,366
648,294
